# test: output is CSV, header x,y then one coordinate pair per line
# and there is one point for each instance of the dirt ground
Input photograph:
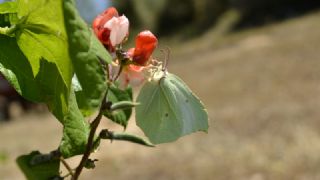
x,y
261,88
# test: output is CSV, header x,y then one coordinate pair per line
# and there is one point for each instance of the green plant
x,y
50,55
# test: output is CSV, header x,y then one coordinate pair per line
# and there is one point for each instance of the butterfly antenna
x,y
166,53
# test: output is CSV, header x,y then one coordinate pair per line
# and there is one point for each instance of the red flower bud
x,y
146,42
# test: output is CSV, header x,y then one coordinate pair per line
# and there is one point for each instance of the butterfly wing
x,y
169,110
155,116
193,114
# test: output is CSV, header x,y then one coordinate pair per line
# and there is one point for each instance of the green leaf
x,y
75,127
75,131
99,49
41,66
169,110
37,64
115,95
90,164
85,51
84,104
8,16
47,86
38,171
16,68
8,7
41,35
56,94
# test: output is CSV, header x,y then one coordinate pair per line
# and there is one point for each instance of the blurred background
x,y
256,66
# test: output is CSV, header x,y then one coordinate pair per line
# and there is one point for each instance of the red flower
x,y
146,42
101,32
102,18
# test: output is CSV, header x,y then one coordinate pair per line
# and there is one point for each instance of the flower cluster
x,y
112,30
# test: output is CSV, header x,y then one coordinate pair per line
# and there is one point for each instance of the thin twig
x,y
118,74
66,175
67,166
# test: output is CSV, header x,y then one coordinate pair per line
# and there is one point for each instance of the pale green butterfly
x,y
168,109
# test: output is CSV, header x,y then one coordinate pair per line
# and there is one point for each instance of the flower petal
x,y
119,27
146,42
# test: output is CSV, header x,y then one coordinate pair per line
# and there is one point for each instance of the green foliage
x,y
85,52
115,95
90,164
46,168
38,63
16,68
50,55
41,35
47,86
84,105
8,7
56,94
75,131
8,16
169,110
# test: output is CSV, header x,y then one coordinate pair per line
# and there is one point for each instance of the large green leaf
x,y
47,169
120,116
75,131
47,86
169,110
85,52
41,35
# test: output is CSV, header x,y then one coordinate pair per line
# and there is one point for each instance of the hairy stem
x,y
94,125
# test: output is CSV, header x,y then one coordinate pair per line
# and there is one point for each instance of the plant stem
x,y
94,125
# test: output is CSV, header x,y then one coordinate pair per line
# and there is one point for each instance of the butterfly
x,y
169,109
